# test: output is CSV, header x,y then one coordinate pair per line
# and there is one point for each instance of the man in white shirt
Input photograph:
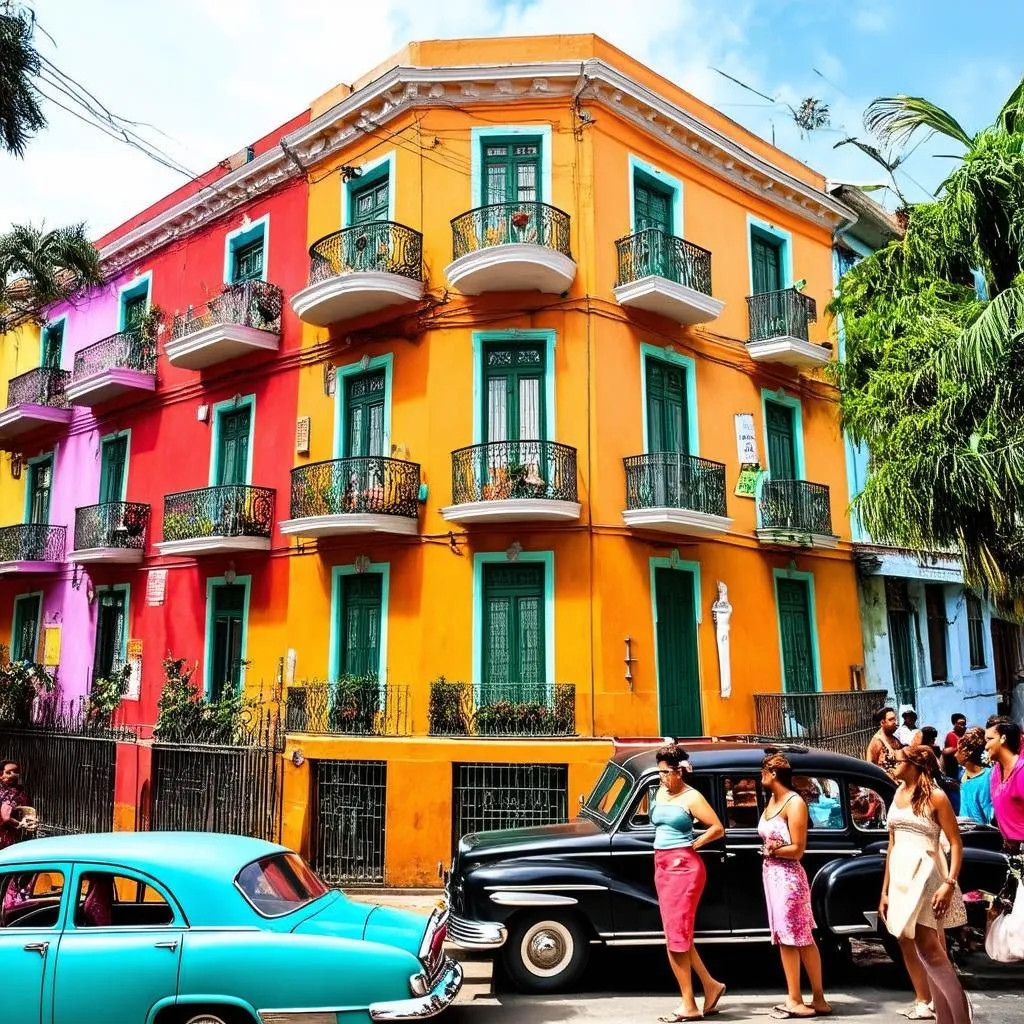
x,y
906,732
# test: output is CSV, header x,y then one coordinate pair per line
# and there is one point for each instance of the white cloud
x,y
871,20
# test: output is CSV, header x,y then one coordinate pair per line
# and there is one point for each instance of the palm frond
x,y
20,113
896,119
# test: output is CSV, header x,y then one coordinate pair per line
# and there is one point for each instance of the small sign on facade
x,y
302,435
746,439
134,658
156,587
746,485
51,646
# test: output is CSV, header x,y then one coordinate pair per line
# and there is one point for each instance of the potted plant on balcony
x,y
21,684
521,220
447,712
105,696
355,703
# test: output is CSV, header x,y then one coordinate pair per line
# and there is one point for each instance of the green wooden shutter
x,y
370,203
779,424
361,614
228,624
247,262
514,644
511,171
667,423
765,257
798,671
40,484
233,460
134,311
514,395
676,635
652,208
364,414
25,631
53,344
110,632
113,460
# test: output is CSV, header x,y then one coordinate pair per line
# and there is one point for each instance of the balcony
x,y
360,270
666,275
119,365
841,721
35,400
216,520
511,247
778,329
513,482
244,319
113,533
372,494
353,706
506,710
669,492
31,548
795,513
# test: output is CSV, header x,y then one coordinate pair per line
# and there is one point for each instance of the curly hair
x,y
927,764
674,756
779,764
972,744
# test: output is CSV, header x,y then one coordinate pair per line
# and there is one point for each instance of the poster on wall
x,y
746,439
156,587
51,646
134,659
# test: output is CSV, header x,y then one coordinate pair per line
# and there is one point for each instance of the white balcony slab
x,y
514,267
106,556
669,299
350,295
349,523
792,538
513,510
106,385
790,351
218,343
676,521
25,417
215,545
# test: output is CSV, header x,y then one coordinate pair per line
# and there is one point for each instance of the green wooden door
x,y
247,262
227,627
679,710
113,468
233,446
40,485
514,393
369,203
359,628
25,630
779,425
513,632
364,415
369,248
652,220
667,423
53,344
111,627
798,671
134,311
766,261
511,171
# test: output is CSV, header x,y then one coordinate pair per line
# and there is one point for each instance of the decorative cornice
x,y
405,88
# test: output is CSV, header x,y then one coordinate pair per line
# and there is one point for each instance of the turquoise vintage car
x,y
194,928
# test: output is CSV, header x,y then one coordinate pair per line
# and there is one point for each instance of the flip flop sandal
x,y
710,1009
785,1013
674,1018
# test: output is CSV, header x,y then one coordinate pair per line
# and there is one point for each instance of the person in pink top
x,y
1002,744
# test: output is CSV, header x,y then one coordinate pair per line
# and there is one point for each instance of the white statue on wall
x,y
721,612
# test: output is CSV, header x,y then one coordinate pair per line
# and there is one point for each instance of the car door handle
x,y
172,946
727,855
37,947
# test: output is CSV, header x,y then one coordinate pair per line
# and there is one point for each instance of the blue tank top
x,y
673,826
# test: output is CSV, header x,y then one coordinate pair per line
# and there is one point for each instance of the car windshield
x,y
609,795
278,884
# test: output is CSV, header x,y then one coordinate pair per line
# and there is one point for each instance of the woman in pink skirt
x,y
783,830
679,877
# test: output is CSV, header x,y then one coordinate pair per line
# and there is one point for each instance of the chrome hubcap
x,y
547,948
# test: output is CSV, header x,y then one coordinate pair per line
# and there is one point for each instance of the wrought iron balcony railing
x,y
231,510
675,480
533,709
840,721
255,304
32,542
383,246
780,314
351,706
511,223
114,524
42,386
653,253
501,470
796,506
126,350
372,484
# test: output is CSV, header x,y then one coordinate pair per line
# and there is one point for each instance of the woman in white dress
x,y
920,896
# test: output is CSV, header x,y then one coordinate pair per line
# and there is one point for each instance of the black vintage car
x,y
542,897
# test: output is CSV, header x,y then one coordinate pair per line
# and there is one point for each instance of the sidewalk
x,y
420,900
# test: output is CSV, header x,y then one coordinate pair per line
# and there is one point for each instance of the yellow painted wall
x,y
19,353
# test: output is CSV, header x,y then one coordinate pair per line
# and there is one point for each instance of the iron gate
x,y
69,778
350,801
205,788
490,796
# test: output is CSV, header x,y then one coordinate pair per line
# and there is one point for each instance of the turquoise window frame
x,y
126,589
385,362
782,237
641,170
50,325
217,412
141,285
812,608
14,618
235,240
667,355
50,454
481,339
114,436
482,558
779,397
675,563
477,137
338,573
211,583
372,172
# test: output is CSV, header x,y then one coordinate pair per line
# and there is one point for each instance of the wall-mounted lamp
x,y
330,379
229,574
202,413
16,464
350,173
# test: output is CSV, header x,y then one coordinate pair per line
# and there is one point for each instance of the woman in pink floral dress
x,y
783,831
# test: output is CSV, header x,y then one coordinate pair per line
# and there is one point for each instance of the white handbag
x,y
1004,940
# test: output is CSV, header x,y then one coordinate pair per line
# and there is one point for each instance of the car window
x,y
279,884
108,900
824,801
744,800
610,793
867,808
30,899
640,817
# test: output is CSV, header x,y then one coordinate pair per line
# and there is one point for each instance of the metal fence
x,y
494,796
375,485
795,505
652,252
44,385
839,721
383,246
508,224
230,510
126,350
114,524
534,709
782,314
675,480
503,470
255,304
33,542
350,801
353,707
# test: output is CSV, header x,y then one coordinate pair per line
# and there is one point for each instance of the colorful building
x,y
561,460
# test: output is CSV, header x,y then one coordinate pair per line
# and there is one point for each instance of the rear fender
x,y
845,895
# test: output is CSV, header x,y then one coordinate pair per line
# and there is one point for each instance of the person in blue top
x,y
975,785
679,876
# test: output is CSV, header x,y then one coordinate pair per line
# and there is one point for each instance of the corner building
x,y
553,301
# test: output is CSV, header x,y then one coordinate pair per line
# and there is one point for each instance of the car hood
x,y
524,841
343,918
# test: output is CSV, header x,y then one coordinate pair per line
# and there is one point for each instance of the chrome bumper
x,y
476,934
430,1005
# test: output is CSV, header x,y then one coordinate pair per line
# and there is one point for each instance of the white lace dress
x,y
917,867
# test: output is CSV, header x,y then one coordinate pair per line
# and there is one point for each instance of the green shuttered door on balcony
x,y
233,456
652,209
781,441
511,171
360,624
676,633
113,459
110,631
25,632
766,263
134,311
228,624
513,632
364,415
40,483
247,262
798,673
666,408
514,394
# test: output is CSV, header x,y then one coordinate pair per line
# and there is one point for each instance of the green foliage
x,y
20,683
447,711
186,717
106,694
452,714
354,703
20,113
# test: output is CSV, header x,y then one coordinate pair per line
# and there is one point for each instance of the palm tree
x,y
20,114
38,267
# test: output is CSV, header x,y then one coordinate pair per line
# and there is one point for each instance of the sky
x,y
211,76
